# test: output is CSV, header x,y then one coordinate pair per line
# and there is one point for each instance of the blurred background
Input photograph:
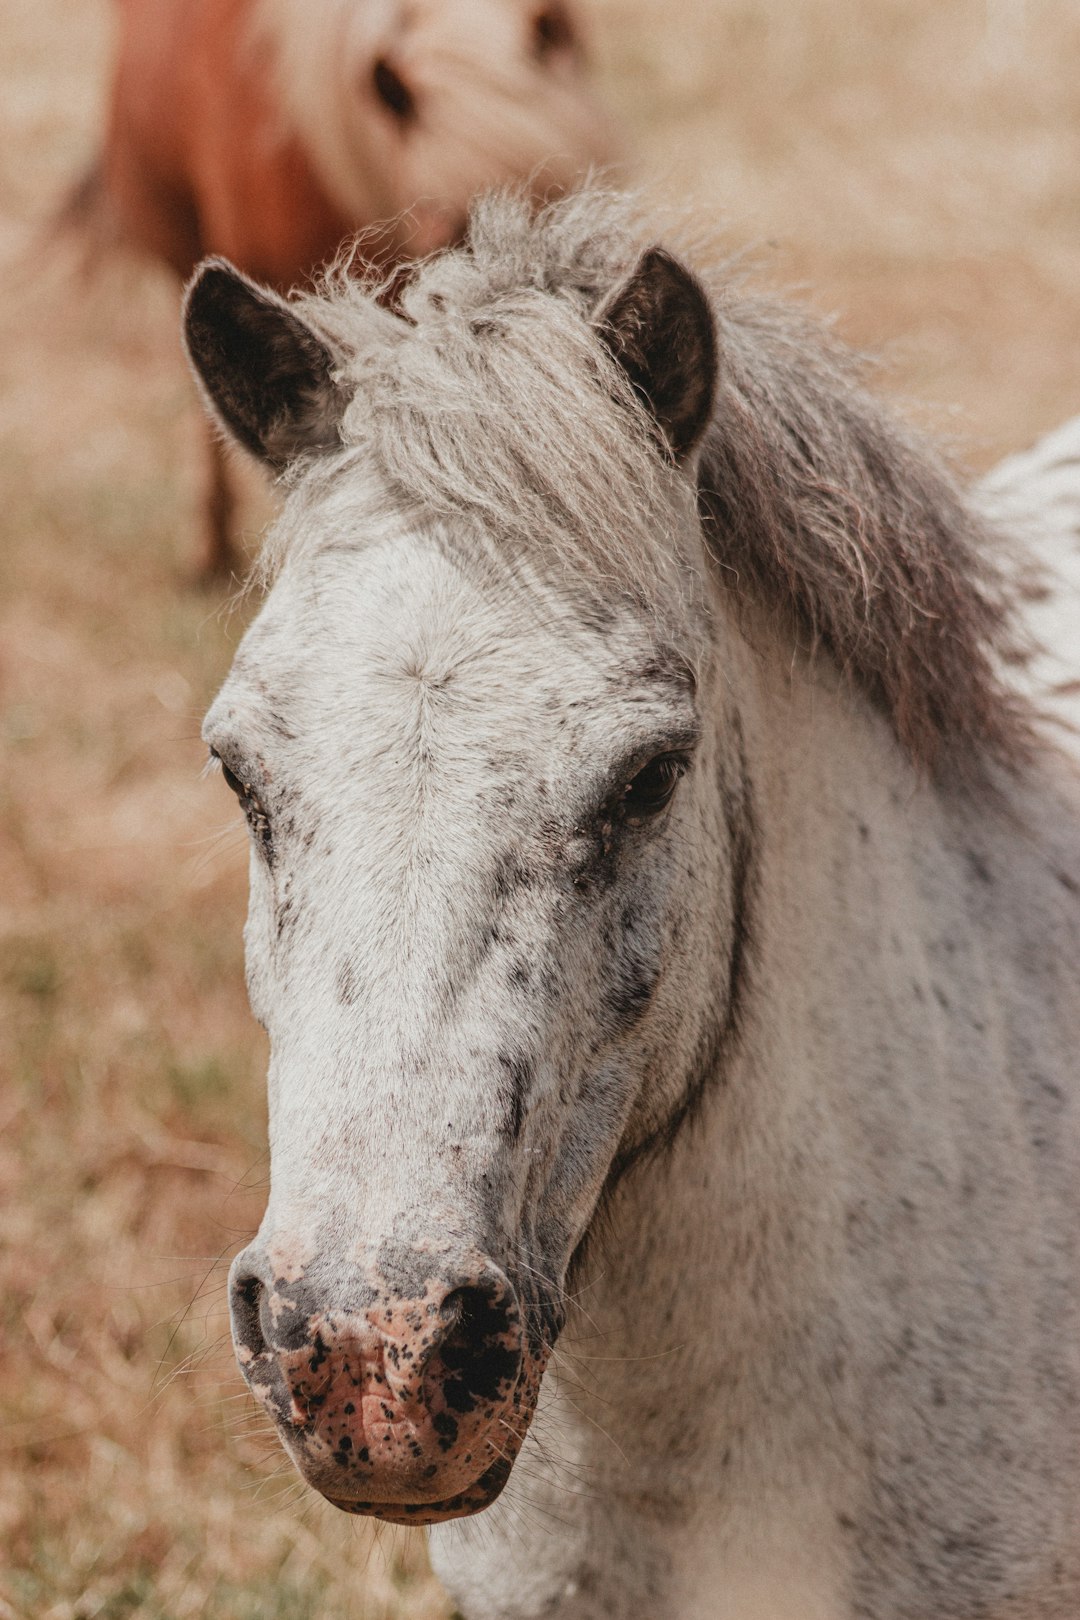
x,y
911,165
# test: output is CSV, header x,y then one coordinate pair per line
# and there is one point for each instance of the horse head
x,y
491,834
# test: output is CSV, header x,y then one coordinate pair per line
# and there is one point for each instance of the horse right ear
x,y
264,371
659,328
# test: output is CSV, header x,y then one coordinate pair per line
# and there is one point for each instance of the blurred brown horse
x,y
270,130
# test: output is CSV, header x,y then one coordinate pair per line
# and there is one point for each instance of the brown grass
x,y
915,162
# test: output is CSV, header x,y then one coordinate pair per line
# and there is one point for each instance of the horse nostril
x,y
479,1351
248,1304
455,1312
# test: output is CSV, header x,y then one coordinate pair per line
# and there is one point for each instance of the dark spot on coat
x,y
286,916
347,984
978,867
636,979
514,1090
446,1427
519,974
511,875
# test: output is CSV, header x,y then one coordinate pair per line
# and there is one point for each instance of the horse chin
x,y
474,1499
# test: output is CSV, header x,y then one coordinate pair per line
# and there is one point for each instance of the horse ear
x,y
659,327
265,372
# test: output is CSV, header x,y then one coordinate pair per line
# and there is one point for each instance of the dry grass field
x,y
912,164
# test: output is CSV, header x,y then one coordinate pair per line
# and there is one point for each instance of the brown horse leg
x,y
219,558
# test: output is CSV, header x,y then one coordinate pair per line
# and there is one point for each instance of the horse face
x,y
481,829
411,110
492,847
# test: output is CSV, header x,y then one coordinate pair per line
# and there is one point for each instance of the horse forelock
x,y
492,401
492,397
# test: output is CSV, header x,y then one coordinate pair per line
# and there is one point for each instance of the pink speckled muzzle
x,y
405,1396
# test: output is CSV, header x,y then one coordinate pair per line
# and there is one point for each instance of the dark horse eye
x,y
233,782
551,31
652,787
258,820
392,90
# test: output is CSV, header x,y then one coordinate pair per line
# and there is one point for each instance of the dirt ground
x,y
913,165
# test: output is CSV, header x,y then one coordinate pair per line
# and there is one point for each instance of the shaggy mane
x,y
493,396
821,499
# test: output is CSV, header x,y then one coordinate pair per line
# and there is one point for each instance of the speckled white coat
x,y
773,1091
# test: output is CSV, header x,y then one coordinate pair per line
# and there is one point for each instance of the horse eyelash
x,y
679,763
255,815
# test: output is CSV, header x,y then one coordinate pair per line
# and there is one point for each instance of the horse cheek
x,y
258,942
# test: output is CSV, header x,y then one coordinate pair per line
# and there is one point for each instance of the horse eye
x,y
392,91
232,781
551,32
652,787
257,819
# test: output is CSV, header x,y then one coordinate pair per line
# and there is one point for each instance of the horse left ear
x,y
265,372
659,327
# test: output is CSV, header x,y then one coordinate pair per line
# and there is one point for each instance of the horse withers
x,y
664,912
272,130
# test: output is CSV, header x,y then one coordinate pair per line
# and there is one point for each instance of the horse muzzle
x,y
407,1405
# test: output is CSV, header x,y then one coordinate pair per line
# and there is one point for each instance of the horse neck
x,y
725,1246
888,1126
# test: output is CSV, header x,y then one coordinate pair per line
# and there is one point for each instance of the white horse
x,y
665,911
